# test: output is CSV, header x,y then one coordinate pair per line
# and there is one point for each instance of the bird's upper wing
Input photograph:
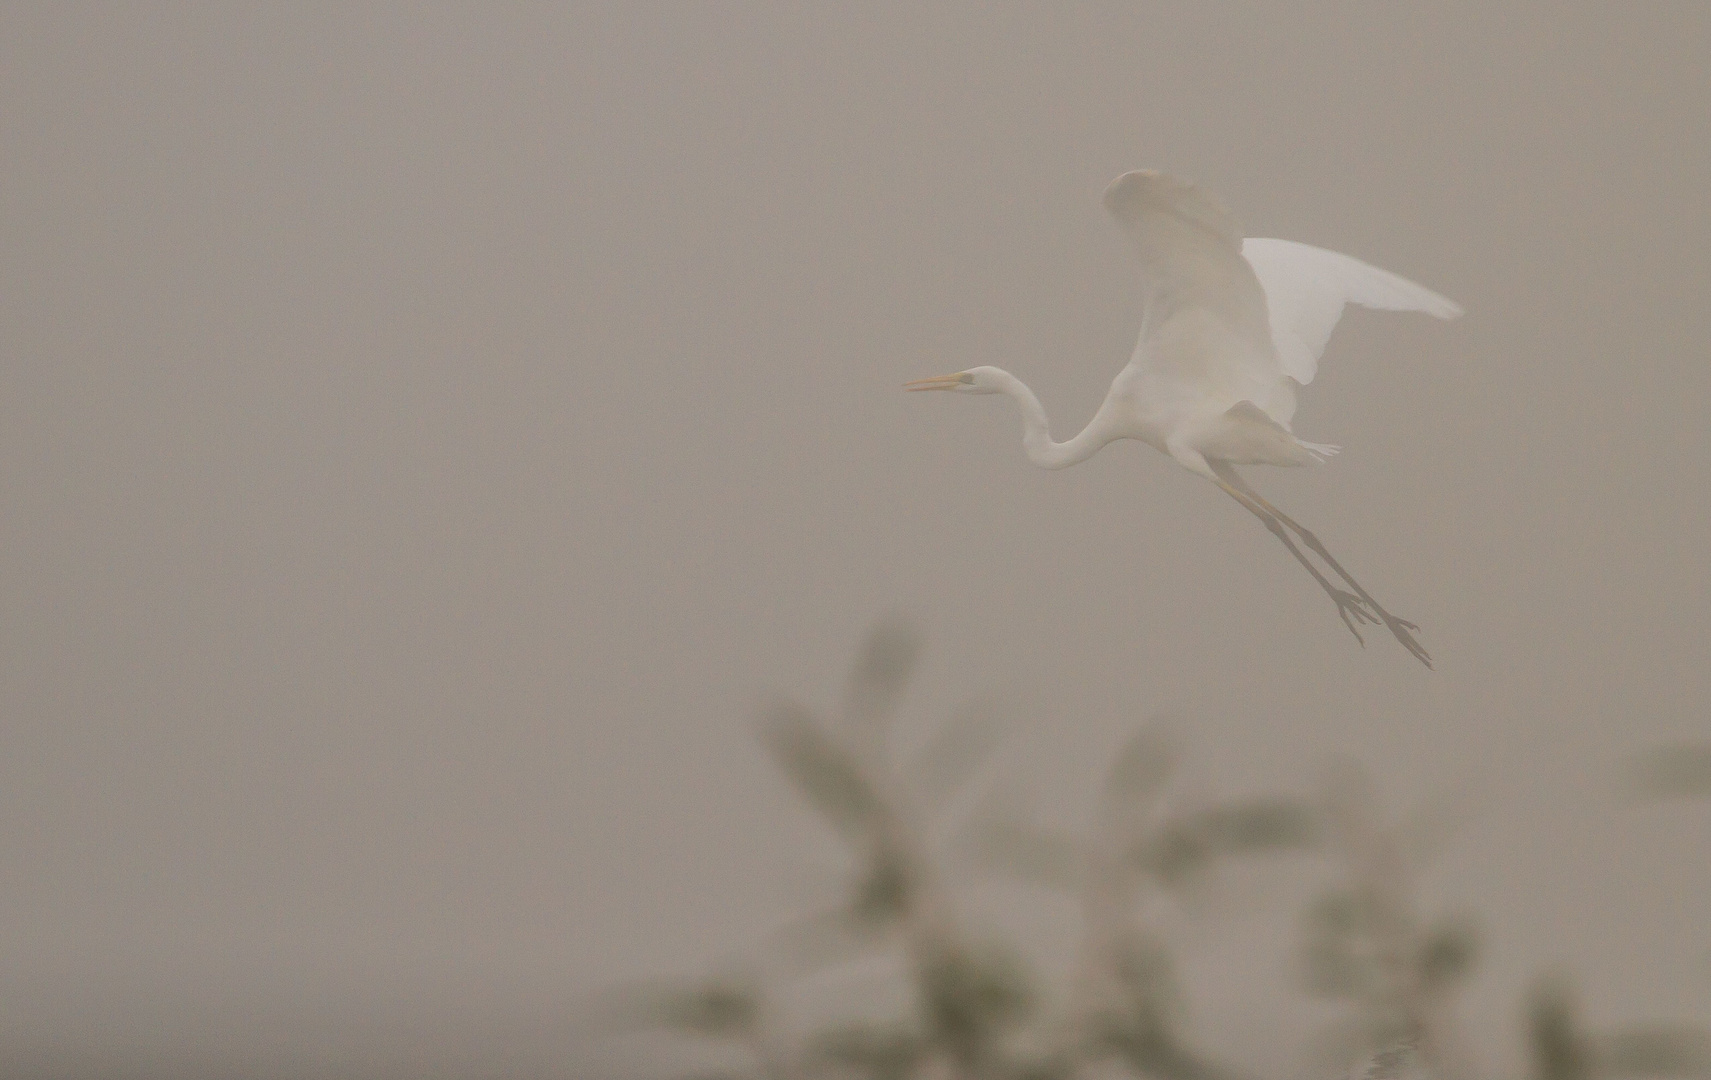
x,y
1191,258
1306,288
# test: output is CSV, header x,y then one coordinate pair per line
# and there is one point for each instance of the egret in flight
x,y
1230,328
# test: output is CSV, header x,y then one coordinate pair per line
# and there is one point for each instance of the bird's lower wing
x,y
1245,435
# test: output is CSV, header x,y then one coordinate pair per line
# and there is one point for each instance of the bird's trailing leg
x,y
1350,607
1400,628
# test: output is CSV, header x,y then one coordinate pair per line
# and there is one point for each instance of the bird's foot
x,y
1353,610
1404,631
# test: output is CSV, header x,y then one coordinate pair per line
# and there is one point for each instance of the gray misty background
x,y
430,432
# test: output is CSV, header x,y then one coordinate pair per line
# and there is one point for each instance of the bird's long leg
x,y
1402,629
1349,606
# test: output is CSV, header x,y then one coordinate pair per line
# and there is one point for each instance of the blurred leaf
x,y
953,753
1662,1051
1186,845
717,1009
886,888
1180,851
1141,1024
973,996
1263,825
882,670
1448,953
879,1051
1673,772
1139,771
1028,852
1337,958
827,774
1559,1052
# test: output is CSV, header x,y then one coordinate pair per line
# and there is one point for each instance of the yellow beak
x,y
938,382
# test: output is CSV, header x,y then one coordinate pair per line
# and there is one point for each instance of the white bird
x,y
1230,329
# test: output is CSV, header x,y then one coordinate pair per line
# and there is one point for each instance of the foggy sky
x,y
428,433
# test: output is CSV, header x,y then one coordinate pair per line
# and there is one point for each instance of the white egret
x,y
1230,328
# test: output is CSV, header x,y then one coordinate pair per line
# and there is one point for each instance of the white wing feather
x,y
1306,288
1191,257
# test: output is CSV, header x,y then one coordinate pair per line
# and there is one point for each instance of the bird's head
x,y
980,380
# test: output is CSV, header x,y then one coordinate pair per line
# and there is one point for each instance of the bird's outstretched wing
x,y
1306,288
1191,257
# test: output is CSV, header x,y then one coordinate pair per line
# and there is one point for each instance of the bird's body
x,y
1230,329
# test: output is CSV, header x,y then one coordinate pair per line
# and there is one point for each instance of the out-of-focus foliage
x,y
1143,1024
884,890
1142,846
881,673
1165,848
1142,767
721,1008
969,1009
873,1051
1366,944
1447,953
827,773
972,997
712,1010
1186,846
1562,1050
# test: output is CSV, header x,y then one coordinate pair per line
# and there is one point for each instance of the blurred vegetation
x,y
1563,1050
970,1008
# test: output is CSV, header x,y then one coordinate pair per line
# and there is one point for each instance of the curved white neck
x,y
1037,434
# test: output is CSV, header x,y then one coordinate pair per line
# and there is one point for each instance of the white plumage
x,y
1230,329
1306,288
